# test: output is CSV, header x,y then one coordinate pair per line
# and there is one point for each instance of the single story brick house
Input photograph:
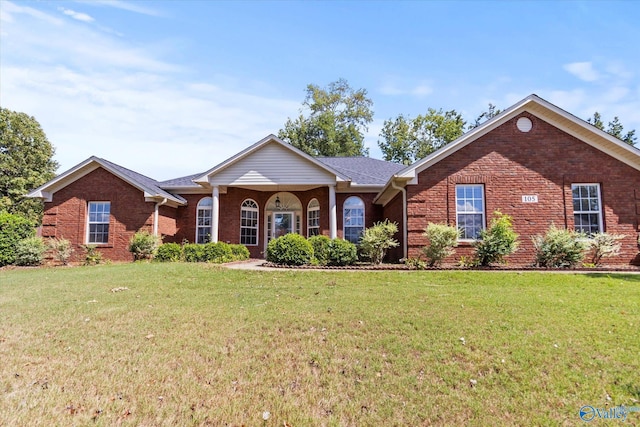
x,y
534,161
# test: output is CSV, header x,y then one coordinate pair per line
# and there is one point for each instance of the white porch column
x,y
215,213
333,215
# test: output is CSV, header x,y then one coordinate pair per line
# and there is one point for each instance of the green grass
x,y
201,345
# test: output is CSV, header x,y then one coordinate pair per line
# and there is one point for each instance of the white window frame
x,y
470,209
346,220
201,213
313,217
598,198
252,207
101,221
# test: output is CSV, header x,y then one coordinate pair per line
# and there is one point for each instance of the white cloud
x,y
420,90
123,5
77,15
583,70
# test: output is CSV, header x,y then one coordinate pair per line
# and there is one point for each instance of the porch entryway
x,y
283,215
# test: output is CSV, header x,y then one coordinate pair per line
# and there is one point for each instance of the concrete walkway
x,y
250,264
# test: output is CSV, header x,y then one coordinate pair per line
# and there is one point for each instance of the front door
x,y
282,224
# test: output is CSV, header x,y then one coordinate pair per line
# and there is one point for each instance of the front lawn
x,y
197,344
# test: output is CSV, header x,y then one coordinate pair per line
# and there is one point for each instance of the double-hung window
x,y
353,219
249,223
587,208
470,215
98,222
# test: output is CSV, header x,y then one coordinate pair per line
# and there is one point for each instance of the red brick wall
x,y
510,164
65,217
393,211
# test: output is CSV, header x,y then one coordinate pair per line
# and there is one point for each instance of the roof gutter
x,y
405,238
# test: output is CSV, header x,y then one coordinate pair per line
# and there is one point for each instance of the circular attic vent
x,y
524,124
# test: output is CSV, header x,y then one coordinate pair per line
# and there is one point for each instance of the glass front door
x,y
282,224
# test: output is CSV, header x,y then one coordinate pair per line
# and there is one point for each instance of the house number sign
x,y
530,199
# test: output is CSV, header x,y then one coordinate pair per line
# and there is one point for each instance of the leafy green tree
x,y
405,140
615,128
25,163
490,113
336,122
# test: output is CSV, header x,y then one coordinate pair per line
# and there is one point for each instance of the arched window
x,y
313,218
353,210
249,223
203,220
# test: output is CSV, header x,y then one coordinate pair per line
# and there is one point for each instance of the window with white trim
x,y
353,211
587,208
470,215
313,218
98,214
203,220
249,223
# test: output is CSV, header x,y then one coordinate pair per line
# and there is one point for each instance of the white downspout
x,y
156,215
405,243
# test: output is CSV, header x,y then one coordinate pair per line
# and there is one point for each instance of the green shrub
x,y
415,263
290,249
559,248
30,251
376,240
320,246
497,242
61,249
239,252
442,239
604,245
342,252
168,252
143,245
92,256
13,228
218,252
193,252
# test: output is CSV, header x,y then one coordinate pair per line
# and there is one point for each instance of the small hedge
x,y
143,245
239,252
13,229
290,249
320,246
169,252
342,252
30,251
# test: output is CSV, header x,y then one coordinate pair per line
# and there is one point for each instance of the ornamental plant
x,y
61,249
168,252
290,249
30,251
376,240
143,245
13,228
559,248
604,245
320,244
443,239
497,242
342,252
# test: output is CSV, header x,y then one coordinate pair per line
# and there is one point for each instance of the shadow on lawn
x,y
621,276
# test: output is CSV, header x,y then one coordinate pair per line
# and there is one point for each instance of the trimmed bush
x,y
193,252
320,246
497,242
30,251
376,240
143,245
342,252
13,228
218,252
442,239
61,250
168,252
559,248
290,249
239,252
92,256
604,245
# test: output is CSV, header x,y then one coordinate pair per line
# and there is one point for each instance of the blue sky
x,y
171,88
